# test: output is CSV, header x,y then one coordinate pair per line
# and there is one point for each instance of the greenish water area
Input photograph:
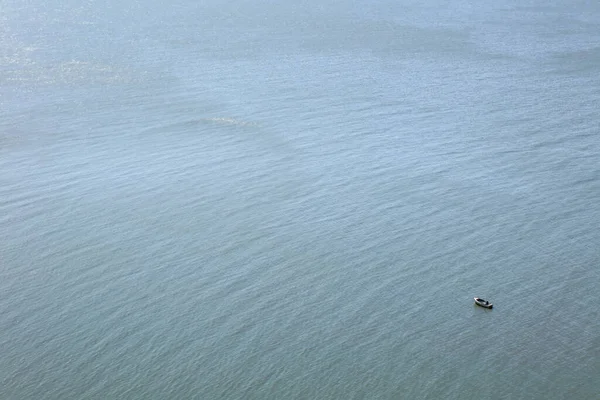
x,y
299,200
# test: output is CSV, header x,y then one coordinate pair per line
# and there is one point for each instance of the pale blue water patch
x,y
259,200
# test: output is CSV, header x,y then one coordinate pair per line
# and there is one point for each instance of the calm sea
x,y
299,200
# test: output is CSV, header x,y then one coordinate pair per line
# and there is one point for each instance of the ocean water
x,y
299,200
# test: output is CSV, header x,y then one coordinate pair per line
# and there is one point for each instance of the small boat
x,y
483,303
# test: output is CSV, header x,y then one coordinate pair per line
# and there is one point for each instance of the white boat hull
x,y
483,303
